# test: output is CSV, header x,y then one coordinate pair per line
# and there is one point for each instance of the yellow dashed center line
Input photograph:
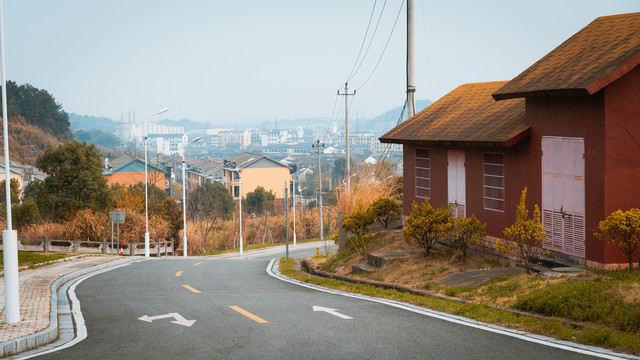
x,y
179,273
198,263
192,289
249,315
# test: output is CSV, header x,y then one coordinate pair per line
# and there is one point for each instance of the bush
x,y
427,225
622,228
466,232
26,213
357,223
526,234
385,210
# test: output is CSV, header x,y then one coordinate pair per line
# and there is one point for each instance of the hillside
x,y
26,141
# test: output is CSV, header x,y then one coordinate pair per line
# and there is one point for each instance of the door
x,y
563,196
456,183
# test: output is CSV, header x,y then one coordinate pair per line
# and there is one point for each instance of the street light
x,y
184,200
9,236
233,166
146,191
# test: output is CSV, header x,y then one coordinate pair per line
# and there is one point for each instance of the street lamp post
x,y
146,190
9,236
184,201
233,166
294,208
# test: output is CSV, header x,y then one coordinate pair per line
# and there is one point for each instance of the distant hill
x,y
87,123
394,114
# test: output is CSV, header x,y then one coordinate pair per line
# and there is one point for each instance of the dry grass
x,y
368,184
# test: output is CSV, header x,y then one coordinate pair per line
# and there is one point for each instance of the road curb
x,y
43,337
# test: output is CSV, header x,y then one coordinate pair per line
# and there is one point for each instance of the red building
x,y
568,128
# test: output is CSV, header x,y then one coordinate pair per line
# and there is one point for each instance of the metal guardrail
x,y
159,248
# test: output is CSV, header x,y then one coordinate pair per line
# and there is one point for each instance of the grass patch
x,y
598,335
596,301
31,259
343,255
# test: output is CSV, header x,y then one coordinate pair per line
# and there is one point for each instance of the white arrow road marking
x,y
332,312
178,319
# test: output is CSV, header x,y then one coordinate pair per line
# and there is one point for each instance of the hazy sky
x,y
254,60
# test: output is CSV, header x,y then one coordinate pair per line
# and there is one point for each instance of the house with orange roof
x,y
567,128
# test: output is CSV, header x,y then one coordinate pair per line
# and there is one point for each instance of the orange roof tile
x,y
597,55
466,116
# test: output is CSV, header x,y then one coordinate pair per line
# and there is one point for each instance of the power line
x,y
385,46
370,40
363,40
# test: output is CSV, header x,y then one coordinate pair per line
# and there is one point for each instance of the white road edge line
x,y
539,339
81,329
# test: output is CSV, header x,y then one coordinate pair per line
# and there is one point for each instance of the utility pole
x,y
346,127
411,81
286,209
317,145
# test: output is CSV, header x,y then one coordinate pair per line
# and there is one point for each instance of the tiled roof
x,y
466,116
121,160
597,55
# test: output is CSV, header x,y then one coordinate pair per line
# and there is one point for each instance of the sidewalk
x,y
35,295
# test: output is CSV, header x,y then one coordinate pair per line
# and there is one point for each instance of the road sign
x,y
117,216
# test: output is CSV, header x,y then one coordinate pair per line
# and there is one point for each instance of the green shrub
x,y
385,210
427,225
622,229
357,223
466,232
26,213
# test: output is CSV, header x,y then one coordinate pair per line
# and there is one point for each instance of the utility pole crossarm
x,y
346,126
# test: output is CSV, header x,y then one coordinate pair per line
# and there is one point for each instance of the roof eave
x,y
513,140
614,75
539,93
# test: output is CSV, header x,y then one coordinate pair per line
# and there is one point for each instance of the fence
x,y
159,248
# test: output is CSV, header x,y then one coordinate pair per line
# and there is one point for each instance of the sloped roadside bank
x,y
587,334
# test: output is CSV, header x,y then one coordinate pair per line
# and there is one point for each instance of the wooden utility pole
x,y
411,81
346,127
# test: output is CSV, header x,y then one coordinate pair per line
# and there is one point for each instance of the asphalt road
x,y
241,312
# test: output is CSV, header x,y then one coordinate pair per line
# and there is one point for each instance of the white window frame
x,y
485,186
428,189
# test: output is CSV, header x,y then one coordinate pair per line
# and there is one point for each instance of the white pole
x,y
411,81
240,206
184,208
294,210
146,196
9,236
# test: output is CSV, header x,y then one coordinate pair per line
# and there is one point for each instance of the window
x,y
494,182
236,191
423,183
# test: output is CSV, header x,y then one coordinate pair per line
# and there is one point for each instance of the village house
x,y
255,170
128,170
567,128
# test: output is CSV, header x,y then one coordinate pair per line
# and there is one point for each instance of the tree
x,y
385,210
15,191
260,201
466,232
38,108
622,229
427,225
207,204
26,213
357,223
75,181
526,234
